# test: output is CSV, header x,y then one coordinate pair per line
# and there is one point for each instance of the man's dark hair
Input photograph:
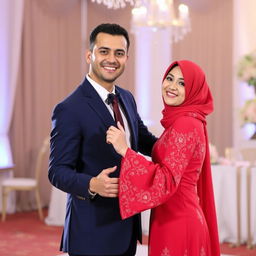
x,y
112,29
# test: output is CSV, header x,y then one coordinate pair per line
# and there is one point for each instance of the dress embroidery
x,y
200,217
202,253
165,252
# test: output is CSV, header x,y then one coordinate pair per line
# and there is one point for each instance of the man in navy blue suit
x,y
83,165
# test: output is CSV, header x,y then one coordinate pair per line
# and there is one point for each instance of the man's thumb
x,y
110,170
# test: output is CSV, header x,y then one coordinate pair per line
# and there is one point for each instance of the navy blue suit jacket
x,y
79,152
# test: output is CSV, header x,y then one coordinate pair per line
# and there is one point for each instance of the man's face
x,y
107,59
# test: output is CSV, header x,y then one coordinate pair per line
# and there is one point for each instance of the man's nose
x,y
111,57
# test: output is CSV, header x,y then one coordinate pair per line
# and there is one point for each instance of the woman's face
x,y
173,87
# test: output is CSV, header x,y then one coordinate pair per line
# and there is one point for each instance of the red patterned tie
x,y
113,99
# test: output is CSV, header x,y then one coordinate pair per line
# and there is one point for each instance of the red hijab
x,y
198,98
198,103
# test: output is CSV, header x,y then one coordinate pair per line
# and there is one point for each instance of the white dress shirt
x,y
103,93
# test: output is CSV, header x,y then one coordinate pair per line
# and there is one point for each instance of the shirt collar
x,y
103,93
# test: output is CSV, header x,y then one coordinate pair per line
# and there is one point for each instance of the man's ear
x,y
88,56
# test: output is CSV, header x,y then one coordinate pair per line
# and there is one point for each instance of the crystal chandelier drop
x,y
114,4
155,14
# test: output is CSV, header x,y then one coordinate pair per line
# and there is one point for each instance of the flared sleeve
x,y
144,184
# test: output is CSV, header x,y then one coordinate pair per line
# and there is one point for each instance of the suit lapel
x,y
128,113
96,103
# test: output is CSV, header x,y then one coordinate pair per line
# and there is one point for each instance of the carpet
x,y
142,250
23,234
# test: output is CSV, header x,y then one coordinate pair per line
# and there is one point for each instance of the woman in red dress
x,y
177,183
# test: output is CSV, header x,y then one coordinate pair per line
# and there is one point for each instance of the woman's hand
x,y
116,137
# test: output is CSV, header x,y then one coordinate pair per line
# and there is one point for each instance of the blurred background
x,y
42,60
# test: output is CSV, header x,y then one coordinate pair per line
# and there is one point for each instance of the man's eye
x,y
120,54
103,52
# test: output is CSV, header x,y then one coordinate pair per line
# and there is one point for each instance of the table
x,y
6,168
226,200
6,172
231,199
57,208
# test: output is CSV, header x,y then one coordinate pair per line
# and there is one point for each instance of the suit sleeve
x,y
145,184
64,152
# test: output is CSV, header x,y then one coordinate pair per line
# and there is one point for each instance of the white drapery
x,y
244,43
149,71
11,13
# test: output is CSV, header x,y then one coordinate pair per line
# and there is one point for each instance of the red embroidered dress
x,y
177,183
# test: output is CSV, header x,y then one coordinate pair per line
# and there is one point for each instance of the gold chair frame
x,y
26,184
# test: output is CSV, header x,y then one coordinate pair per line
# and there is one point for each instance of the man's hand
x,y
104,185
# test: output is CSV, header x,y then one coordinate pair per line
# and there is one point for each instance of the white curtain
x,y
149,71
244,43
11,13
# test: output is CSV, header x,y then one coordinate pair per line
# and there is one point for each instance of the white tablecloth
x,y
57,208
225,189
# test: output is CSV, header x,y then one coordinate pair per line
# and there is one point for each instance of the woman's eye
x,y
182,83
169,78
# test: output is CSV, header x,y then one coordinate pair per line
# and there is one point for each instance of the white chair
x,y
26,184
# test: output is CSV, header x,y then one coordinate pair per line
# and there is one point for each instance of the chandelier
x,y
115,4
155,14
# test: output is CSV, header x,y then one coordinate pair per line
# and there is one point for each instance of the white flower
x,y
248,112
247,68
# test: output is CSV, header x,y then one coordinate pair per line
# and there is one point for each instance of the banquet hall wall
x,y
52,65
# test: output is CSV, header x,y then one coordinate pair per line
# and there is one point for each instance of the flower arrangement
x,y
214,155
247,73
248,112
247,69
